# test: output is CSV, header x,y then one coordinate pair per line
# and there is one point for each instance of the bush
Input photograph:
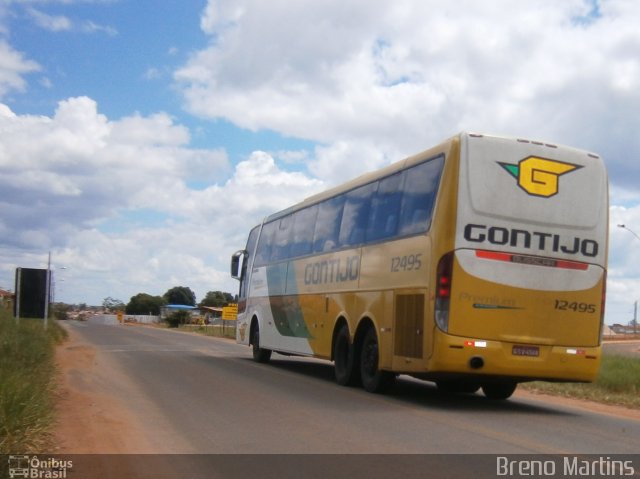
x,y
27,379
619,374
618,382
177,318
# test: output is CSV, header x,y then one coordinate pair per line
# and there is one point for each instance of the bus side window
x,y
385,208
265,245
282,239
304,222
420,189
356,215
328,221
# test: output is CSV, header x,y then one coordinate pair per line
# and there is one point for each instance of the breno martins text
x,y
565,467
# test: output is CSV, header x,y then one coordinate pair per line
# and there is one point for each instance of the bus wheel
x,y
260,355
374,380
343,356
499,390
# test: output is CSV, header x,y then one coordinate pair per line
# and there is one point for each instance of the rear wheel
x,y
374,380
260,355
499,390
344,359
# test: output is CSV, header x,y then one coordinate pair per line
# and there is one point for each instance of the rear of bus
x,y
520,295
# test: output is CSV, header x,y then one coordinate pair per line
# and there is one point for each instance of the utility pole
x,y
635,305
47,292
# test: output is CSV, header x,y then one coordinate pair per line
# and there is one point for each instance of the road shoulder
x,y
91,418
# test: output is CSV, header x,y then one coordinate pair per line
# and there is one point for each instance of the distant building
x,y
167,309
212,314
624,328
6,299
607,331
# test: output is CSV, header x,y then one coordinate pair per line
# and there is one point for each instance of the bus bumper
x,y
454,356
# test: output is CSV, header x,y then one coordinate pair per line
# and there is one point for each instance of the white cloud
x,y
13,67
218,15
154,130
112,200
152,73
62,23
84,168
344,160
89,26
54,23
410,73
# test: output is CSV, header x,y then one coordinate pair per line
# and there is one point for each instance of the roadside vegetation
x,y
177,318
144,303
618,383
217,330
27,383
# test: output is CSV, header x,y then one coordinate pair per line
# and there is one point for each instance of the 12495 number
x,y
575,306
406,263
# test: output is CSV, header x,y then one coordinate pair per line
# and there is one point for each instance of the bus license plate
x,y
533,351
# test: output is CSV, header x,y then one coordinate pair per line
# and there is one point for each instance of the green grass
x,y
617,383
27,383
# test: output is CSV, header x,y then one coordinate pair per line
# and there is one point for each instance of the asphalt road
x,y
623,347
214,399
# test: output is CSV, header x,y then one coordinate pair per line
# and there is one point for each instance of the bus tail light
x,y
476,344
443,291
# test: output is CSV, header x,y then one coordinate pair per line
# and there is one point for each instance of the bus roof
x,y
388,170
368,177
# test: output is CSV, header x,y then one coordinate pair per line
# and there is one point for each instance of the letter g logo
x,y
539,176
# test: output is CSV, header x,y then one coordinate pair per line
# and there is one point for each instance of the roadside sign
x,y
230,312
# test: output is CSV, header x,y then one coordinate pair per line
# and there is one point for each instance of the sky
x,y
140,140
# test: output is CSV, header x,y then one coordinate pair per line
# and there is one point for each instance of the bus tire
x,y
499,391
374,380
344,358
260,355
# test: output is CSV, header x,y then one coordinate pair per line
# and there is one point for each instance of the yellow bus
x,y
479,263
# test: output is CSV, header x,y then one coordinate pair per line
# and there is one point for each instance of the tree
x,y
217,299
180,295
143,303
177,318
111,304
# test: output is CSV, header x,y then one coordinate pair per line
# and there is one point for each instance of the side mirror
x,y
236,264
